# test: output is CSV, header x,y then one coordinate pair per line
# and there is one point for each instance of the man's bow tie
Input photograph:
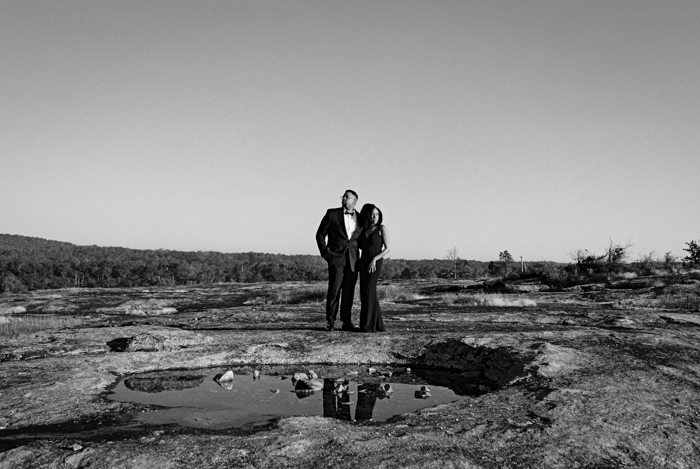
x,y
349,213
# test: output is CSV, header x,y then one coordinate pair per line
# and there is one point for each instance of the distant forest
x,y
28,263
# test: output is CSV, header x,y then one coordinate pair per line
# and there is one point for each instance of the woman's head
x,y
371,215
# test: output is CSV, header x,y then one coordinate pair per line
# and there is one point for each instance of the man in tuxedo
x,y
342,228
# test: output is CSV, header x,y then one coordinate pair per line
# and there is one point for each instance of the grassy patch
x,y
317,294
688,302
486,299
14,325
313,294
395,293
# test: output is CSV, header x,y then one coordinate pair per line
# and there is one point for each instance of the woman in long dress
x,y
374,243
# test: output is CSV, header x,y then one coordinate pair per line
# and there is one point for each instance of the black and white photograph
x,y
350,234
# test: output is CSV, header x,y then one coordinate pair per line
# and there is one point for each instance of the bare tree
x,y
646,264
616,254
580,255
670,262
453,256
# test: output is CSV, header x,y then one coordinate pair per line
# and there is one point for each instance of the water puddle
x,y
196,399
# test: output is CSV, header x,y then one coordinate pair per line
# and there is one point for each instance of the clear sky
x,y
539,127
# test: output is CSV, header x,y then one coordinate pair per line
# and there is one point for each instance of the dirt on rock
x,y
586,378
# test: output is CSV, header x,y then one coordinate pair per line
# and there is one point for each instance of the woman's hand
x,y
372,266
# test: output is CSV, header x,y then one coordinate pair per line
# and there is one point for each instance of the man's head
x,y
349,199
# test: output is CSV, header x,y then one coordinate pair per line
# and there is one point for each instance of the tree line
x,y
28,263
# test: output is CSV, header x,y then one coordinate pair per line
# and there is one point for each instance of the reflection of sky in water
x,y
249,401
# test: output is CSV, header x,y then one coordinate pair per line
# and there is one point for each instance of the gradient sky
x,y
539,127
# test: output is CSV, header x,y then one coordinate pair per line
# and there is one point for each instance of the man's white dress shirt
x,y
350,222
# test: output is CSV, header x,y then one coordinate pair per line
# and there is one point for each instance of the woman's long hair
x,y
366,215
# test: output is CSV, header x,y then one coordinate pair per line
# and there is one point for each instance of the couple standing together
x,y
349,232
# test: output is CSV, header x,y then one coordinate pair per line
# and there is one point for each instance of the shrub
x,y
587,263
395,293
670,262
693,257
556,277
15,325
313,294
486,299
317,294
505,259
646,264
683,302
616,255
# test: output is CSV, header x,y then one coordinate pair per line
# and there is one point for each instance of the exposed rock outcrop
x,y
148,307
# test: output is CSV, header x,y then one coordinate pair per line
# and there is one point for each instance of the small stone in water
x,y
228,385
309,385
256,374
228,376
275,391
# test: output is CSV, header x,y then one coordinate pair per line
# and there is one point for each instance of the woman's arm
x,y
387,247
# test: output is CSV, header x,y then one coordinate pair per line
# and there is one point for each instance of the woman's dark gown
x,y
370,314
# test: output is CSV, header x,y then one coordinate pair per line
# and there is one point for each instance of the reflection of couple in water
x,y
347,234
337,404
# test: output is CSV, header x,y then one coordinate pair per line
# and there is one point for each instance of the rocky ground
x,y
584,379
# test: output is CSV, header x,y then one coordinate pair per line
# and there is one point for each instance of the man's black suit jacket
x,y
339,244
